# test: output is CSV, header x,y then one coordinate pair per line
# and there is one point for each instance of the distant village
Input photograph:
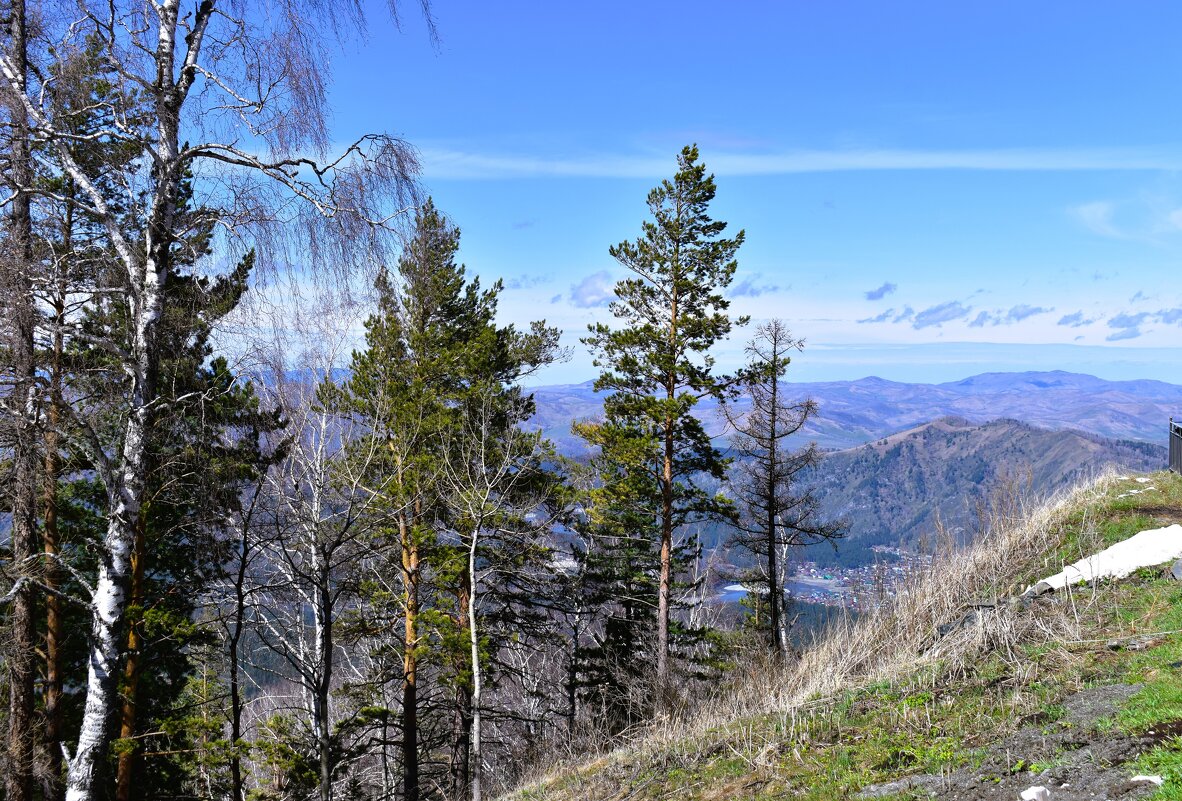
x,y
856,587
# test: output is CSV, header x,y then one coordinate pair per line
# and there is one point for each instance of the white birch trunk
x,y
477,686
146,282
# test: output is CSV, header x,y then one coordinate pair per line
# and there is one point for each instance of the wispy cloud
x,y
1097,217
459,164
1170,316
1076,320
597,289
1127,326
1022,311
879,318
1015,314
1124,333
890,316
527,281
880,293
751,288
940,314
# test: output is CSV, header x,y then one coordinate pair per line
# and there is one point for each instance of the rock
x,y
1038,793
1176,571
1041,588
973,618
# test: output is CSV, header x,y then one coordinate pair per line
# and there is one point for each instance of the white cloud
x,y
597,289
751,288
940,314
1097,218
443,163
884,290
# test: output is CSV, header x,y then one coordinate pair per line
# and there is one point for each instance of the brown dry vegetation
x,y
888,696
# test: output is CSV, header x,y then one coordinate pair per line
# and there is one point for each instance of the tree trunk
x,y
322,712
461,759
126,488
52,788
775,588
128,757
477,678
21,656
665,587
410,723
237,790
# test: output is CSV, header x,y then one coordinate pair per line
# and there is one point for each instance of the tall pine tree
x,y
434,359
657,365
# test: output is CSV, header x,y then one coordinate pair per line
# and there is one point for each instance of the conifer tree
x,y
778,514
434,359
657,365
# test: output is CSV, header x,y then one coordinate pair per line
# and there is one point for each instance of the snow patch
x,y
1145,549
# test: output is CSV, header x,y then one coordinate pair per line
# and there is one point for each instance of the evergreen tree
x,y
435,359
657,366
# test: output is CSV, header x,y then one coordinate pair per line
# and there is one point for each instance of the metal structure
x,y
1175,446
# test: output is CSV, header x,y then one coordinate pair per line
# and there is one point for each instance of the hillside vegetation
x,y
960,687
897,489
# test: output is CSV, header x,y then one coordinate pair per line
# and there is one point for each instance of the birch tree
x,y
234,95
496,481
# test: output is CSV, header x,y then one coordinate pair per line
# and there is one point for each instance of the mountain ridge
x,y
859,411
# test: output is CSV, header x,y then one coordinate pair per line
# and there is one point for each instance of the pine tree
x,y
657,365
435,362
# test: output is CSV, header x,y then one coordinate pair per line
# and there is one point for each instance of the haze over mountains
x,y
856,412
903,456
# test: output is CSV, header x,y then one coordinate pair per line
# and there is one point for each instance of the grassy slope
x,y
886,698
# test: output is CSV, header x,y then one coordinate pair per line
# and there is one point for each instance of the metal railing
x,y
1175,446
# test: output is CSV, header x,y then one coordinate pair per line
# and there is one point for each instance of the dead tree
x,y
778,512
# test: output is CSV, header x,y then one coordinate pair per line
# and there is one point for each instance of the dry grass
x,y
1018,542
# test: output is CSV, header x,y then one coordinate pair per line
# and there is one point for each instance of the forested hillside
x,y
937,479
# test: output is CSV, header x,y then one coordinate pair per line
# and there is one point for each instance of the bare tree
x,y
21,317
317,514
778,513
235,98
495,482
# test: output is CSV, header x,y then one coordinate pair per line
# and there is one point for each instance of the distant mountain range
x,y
856,412
904,455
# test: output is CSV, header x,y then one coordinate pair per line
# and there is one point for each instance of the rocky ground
x,y
1076,758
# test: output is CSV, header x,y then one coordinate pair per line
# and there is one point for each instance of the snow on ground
x,y
1141,550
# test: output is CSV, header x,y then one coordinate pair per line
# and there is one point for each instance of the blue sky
x,y
929,189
